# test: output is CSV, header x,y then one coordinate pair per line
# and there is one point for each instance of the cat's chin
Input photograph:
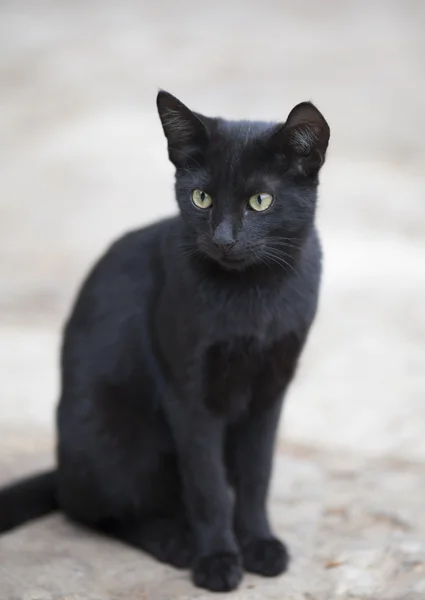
x,y
234,264
230,263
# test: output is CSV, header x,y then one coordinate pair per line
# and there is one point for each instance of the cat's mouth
x,y
232,259
233,263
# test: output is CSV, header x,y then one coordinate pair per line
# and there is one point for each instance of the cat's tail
x,y
27,499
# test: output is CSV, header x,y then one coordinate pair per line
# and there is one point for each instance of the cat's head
x,y
246,190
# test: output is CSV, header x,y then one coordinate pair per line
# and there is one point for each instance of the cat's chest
x,y
256,316
229,371
241,374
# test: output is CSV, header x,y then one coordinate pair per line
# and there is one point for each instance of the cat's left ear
x,y
185,132
303,139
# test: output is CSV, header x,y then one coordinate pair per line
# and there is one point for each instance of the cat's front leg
x,y
199,440
251,446
250,456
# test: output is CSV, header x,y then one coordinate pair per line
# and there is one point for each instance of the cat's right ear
x,y
303,139
185,132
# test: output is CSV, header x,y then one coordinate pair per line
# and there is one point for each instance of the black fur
x,y
180,348
28,499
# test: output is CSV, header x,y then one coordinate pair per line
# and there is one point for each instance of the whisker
x,y
278,245
261,259
280,237
275,243
279,259
279,252
273,260
282,242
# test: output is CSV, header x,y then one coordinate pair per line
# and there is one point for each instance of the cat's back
x,y
132,263
111,312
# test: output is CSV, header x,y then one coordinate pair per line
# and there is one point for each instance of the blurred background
x,y
83,159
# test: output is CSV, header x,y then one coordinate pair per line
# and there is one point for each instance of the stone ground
x,y
83,159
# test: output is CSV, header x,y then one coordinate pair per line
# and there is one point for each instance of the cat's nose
x,y
223,237
224,247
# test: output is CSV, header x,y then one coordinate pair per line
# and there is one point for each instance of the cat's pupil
x,y
202,196
259,199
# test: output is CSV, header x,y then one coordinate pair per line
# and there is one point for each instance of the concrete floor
x,y
83,159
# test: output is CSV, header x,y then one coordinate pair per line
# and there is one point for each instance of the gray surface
x,y
82,159
356,529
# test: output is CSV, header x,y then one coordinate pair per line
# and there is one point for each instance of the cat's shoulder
x,y
296,302
138,242
129,268
311,259
132,251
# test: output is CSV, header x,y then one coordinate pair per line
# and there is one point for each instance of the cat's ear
x,y
303,139
185,132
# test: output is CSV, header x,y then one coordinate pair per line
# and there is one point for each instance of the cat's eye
x,y
260,202
201,199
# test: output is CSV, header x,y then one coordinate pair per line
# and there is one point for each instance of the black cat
x,y
180,348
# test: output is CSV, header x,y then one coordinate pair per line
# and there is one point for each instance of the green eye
x,y
201,199
260,202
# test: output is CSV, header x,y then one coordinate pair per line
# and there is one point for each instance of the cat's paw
x,y
218,572
268,557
